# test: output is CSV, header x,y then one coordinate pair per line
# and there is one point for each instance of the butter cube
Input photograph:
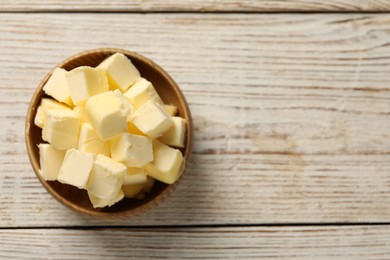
x,y
47,103
131,190
132,150
121,73
84,82
101,203
76,168
80,112
132,129
170,109
89,141
151,119
106,178
141,92
106,115
137,190
51,103
175,135
148,184
39,117
167,164
61,128
135,176
51,160
127,107
57,87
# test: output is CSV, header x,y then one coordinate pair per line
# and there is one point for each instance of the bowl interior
x,y
78,199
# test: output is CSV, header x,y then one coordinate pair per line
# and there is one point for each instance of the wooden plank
x,y
351,242
198,6
291,113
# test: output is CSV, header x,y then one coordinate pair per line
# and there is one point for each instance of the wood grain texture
x,y
351,242
198,6
291,113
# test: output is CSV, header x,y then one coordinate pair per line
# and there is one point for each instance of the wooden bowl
x,y
77,199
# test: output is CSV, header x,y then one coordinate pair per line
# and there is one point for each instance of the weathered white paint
x,y
291,112
331,242
196,5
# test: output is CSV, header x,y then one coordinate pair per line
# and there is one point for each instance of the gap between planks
x,y
173,12
203,226
249,6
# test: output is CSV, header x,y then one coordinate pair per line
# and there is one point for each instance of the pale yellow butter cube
x,y
57,87
149,184
76,168
80,112
61,128
132,129
89,141
137,190
39,117
175,135
132,150
101,203
151,119
135,176
141,92
127,107
106,178
167,164
121,73
50,160
170,109
84,82
131,190
47,103
51,103
106,115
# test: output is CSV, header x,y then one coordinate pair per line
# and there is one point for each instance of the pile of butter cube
x,y
108,132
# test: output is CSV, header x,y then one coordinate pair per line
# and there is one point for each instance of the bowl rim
x,y
160,197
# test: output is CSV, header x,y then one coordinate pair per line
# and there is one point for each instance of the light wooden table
x,y
291,106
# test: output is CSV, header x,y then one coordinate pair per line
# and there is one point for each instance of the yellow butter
x,y
106,178
89,141
51,103
148,185
151,119
126,106
121,73
39,117
135,176
50,160
106,115
101,203
141,92
47,103
137,190
175,135
76,168
132,150
131,190
57,87
167,164
170,109
80,112
61,128
84,82
132,129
